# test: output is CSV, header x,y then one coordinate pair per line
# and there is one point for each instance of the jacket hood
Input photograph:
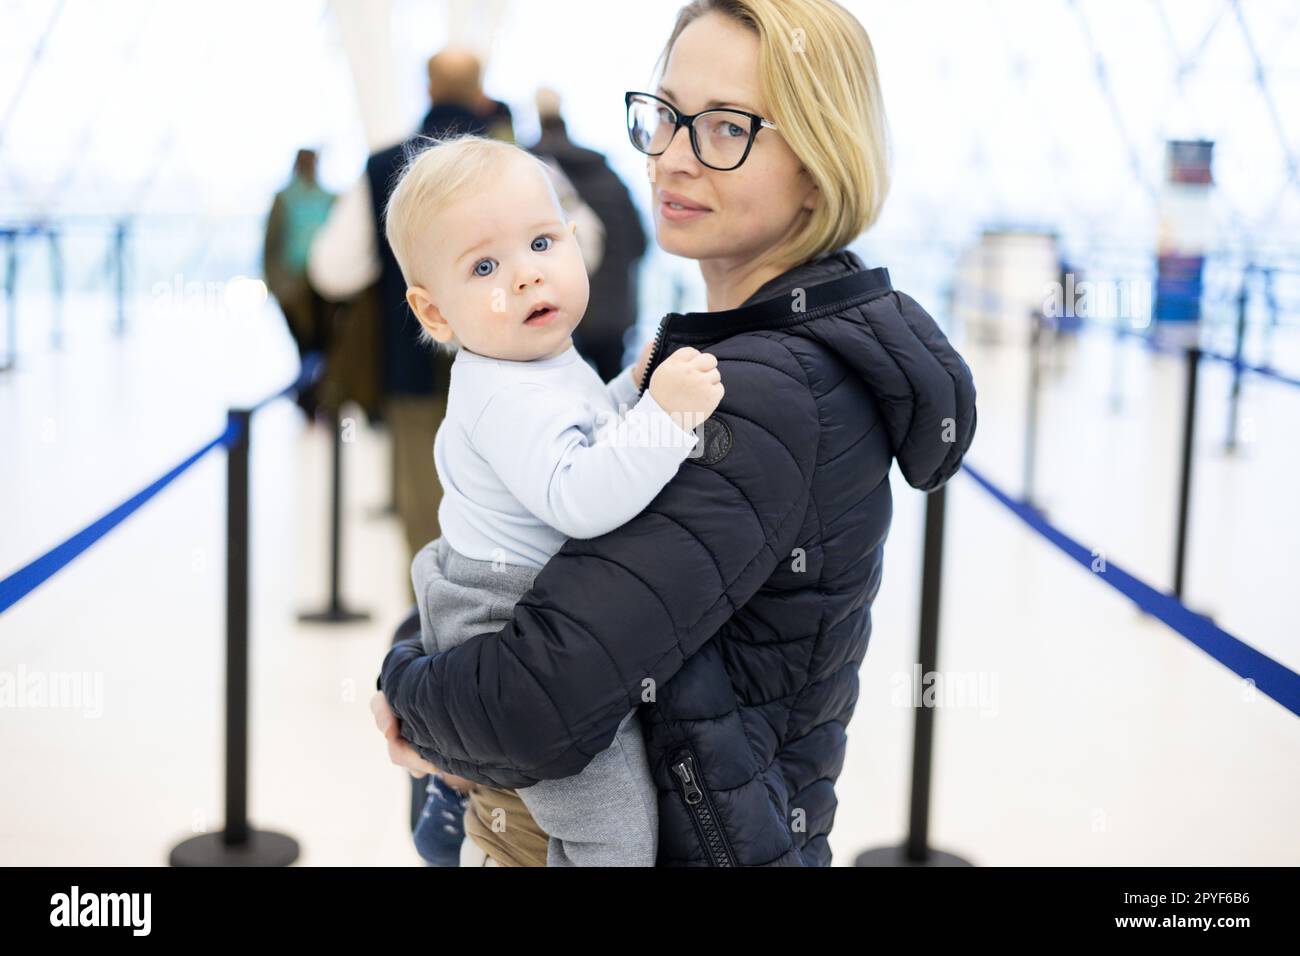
x,y
923,387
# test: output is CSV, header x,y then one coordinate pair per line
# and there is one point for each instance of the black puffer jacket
x,y
736,608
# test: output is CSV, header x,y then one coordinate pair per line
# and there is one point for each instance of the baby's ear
x,y
429,316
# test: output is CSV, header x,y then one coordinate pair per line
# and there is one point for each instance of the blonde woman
x,y
735,610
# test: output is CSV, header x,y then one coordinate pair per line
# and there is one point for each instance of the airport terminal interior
x,y
1099,203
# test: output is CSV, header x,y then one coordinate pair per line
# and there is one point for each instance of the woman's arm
x,y
609,619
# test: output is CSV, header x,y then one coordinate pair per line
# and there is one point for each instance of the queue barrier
x,y
237,844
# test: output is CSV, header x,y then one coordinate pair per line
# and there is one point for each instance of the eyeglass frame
x,y
688,120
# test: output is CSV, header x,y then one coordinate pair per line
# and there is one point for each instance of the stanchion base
x,y
897,856
263,848
334,615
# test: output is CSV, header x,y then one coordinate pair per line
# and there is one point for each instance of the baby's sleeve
x,y
581,479
623,388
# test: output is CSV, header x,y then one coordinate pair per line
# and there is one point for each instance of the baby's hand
x,y
688,386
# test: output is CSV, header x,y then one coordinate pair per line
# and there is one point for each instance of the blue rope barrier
x,y
313,366
1269,676
31,576
1154,345
1265,370
27,579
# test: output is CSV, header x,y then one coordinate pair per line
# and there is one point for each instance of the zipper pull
x,y
693,793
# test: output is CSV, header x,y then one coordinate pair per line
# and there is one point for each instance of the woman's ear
x,y
428,314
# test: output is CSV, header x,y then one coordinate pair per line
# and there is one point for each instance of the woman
x,y
736,609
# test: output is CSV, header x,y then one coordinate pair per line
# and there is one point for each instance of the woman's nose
x,y
679,157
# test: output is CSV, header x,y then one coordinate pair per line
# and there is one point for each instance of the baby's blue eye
x,y
491,267
546,240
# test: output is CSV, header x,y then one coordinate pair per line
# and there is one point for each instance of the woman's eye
x,y
485,267
725,129
541,243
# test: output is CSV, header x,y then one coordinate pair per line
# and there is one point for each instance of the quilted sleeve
x,y
611,618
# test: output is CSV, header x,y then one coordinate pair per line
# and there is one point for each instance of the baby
x,y
534,448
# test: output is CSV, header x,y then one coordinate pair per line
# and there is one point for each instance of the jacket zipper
x,y
701,809
655,350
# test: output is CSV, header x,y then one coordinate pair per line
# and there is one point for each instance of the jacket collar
x,y
819,287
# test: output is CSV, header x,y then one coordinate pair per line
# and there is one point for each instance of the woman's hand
x,y
400,750
459,784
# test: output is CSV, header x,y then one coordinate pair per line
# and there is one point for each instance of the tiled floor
x,y
1089,735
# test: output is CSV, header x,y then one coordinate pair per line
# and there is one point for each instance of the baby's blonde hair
x,y
436,173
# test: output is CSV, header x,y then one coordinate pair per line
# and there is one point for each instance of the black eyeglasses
x,y
721,142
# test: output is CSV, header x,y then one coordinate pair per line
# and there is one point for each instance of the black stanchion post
x,y
1185,476
916,852
1031,402
336,613
237,844
1235,399
237,633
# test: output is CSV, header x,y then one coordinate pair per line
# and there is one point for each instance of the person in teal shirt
x,y
297,212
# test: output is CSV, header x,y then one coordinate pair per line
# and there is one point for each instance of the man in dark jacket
x,y
736,609
611,310
350,256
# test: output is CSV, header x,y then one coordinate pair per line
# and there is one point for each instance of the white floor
x,y
1093,736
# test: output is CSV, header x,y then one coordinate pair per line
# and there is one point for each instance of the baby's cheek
x,y
580,284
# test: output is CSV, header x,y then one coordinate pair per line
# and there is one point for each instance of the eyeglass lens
x,y
720,135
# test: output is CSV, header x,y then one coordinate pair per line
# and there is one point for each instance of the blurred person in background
x,y
350,256
297,213
500,121
613,305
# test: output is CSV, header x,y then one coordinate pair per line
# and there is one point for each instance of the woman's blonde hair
x,y
817,74
435,173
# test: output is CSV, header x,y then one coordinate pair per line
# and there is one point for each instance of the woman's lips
x,y
544,318
681,215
